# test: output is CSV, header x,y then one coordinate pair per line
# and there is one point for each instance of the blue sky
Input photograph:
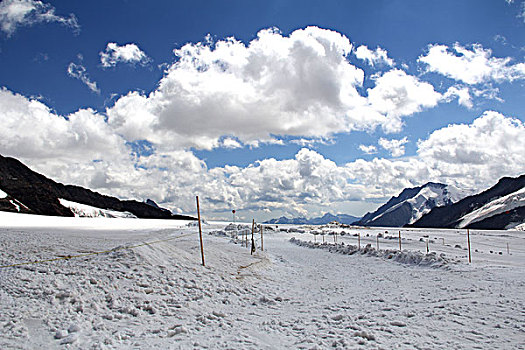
x,y
313,107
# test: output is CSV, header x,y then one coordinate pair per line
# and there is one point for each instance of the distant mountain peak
x,y
325,219
411,204
500,207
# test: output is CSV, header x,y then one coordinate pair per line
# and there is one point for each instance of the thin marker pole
x,y
399,240
377,242
262,242
200,230
359,240
252,250
508,250
468,241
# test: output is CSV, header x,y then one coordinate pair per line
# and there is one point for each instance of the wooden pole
x,y
427,246
253,227
252,249
508,250
359,240
200,230
377,242
399,240
262,242
468,242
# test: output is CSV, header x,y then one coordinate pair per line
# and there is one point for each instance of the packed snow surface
x,y
84,210
131,283
497,206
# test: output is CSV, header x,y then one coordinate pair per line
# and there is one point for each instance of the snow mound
x,y
83,210
404,257
3,194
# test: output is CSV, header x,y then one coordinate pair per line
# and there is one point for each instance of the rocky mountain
x,y
411,204
325,219
500,207
27,191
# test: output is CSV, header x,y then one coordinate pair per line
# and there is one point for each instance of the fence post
x,y
427,246
200,230
359,240
262,242
252,249
399,240
468,242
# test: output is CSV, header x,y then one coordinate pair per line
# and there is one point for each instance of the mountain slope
x,y
497,207
325,219
40,195
410,205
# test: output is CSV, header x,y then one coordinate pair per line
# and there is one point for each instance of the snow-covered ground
x,y
158,295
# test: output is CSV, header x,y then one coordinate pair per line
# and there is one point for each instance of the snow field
x,y
289,296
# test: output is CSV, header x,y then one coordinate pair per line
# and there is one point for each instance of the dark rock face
x,y
41,194
450,216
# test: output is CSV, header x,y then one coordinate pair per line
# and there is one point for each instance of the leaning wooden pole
x,y
200,230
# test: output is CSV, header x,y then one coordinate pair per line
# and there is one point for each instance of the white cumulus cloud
x,y
398,94
473,66
129,53
375,57
370,149
301,85
17,13
395,147
462,93
31,130
78,71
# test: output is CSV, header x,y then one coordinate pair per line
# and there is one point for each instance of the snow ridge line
x,y
405,257
67,257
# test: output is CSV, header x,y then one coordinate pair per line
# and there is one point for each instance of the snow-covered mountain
x,y
499,207
412,204
325,219
23,190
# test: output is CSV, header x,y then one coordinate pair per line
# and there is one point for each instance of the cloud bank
x,y
301,85
299,88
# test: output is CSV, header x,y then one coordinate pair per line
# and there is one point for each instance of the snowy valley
x,y
132,283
